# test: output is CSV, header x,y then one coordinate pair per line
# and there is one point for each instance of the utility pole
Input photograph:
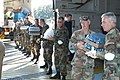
x,y
55,14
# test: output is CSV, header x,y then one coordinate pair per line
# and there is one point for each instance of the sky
x,y
37,3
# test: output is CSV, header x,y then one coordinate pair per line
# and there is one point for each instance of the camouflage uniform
x,y
17,35
48,51
45,44
21,37
22,41
36,46
82,66
44,28
61,50
16,31
111,69
27,46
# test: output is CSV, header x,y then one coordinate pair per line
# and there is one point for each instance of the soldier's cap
x,y
84,18
67,15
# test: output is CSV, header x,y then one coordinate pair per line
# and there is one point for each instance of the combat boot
x,y
49,71
44,66
56,76
63,78
28,54
37,58
16,47
33,58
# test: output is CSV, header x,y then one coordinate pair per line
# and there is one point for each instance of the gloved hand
x,y
91,53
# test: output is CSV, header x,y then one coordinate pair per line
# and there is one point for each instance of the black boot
x,y
49,71
35,62
37,58
57,76
20,48
28,54
34,57
44,66
17,46
63,78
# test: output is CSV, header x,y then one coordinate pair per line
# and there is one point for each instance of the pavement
x,y
17,67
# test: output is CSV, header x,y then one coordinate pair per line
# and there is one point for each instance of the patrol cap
x,y
67,15
84,18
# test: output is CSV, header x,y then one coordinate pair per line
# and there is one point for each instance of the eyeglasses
x,y
59,21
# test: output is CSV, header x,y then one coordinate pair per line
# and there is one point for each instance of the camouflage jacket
x,y
111,47
44,29
63,35
77,37
110,44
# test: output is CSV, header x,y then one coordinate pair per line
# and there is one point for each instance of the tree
x,y
45,12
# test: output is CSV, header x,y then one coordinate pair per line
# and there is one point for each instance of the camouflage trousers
x,y
48,55
35,50
61,61
17,40
110,72
81,71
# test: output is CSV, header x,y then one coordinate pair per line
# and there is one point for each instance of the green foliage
x,y
45,12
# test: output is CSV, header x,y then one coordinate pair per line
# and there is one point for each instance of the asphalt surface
x,y
17,67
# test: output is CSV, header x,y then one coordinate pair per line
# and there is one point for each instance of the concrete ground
x,y
17,67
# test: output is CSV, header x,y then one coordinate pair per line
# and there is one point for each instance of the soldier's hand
x,y
38,40
50,38
80,45
92,53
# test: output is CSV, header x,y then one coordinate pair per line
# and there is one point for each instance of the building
x,y
92,8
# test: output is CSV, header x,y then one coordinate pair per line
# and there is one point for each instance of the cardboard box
x,y
94,44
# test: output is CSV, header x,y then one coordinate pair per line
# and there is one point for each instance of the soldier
x,y
68,24
17,33
48,50
2,53
82,66
110,55
27,49
21,36
44,44
61,40
27,22
36,46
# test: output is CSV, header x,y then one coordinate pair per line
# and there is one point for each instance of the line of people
x,y
82,64
32,44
